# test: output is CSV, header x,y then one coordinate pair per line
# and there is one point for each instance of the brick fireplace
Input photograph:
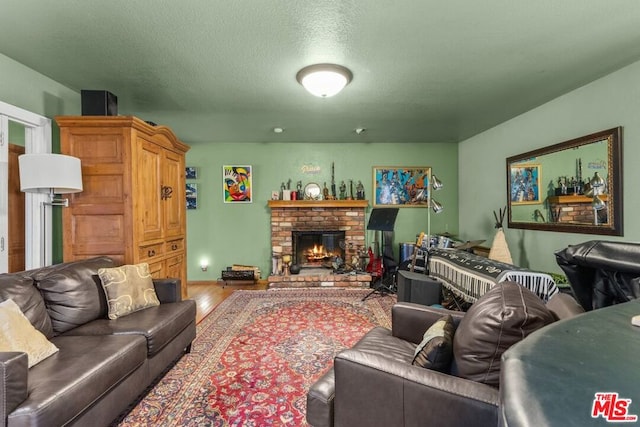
x,y
576,209
347,216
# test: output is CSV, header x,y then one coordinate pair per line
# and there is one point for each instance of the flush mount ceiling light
x,y
324,80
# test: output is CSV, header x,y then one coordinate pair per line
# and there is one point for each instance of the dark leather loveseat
x,y
102,365
374,383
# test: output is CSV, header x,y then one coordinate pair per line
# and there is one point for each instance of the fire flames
x,y
317,253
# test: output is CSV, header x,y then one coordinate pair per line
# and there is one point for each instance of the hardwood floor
x,y
208,295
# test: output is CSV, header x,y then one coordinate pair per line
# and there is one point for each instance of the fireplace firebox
x,y
317,249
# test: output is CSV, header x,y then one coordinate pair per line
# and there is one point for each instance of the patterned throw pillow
x,y
18,334
128,288
436,349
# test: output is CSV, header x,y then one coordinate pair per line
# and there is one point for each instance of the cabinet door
x,y
148,201
175,267
157,270
174,206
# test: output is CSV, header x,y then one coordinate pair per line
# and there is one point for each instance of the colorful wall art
x,y
401,186
192,196
237,184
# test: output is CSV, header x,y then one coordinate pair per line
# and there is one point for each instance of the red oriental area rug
x,y
256,355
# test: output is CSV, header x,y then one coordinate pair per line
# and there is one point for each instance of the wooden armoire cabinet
x,y
132,207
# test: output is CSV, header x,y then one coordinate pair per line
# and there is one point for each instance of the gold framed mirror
x,y
574,186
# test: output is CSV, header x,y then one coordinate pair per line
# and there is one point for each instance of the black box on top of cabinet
x,y
99,103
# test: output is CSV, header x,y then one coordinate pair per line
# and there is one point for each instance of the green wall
x,y
230,234
227,234
611,101
32,91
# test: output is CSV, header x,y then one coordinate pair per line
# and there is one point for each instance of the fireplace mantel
x,y
318,203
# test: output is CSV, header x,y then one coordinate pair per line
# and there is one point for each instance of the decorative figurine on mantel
x,y
325,192
343,190
283,187
333,182
299,190
360,191
350,190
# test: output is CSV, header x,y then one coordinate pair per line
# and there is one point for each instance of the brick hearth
x,y
308,215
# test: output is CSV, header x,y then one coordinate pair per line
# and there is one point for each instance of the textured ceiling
x,y
224,70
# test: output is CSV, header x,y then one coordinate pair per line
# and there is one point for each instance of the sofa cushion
x,y
503,316
435,351
72,292
22,290
83,371
159,325
18,334
129,288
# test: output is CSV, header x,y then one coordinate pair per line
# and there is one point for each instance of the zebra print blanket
x,y
470,276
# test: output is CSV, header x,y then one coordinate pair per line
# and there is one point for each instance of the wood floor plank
x,y
208,295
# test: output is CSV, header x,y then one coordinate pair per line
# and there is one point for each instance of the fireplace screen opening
x,y
317,249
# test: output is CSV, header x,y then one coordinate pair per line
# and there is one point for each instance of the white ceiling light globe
x,y
324,80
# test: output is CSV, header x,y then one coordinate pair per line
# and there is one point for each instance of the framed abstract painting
x,y
191,172
524,184
401,186
237,183
192,196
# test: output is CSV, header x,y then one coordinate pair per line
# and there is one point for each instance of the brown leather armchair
x,y
375,384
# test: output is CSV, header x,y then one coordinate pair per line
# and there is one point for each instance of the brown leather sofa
x,y
102,365
375,384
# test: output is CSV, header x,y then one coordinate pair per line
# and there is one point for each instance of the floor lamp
x,y
437,207
53,174
597,188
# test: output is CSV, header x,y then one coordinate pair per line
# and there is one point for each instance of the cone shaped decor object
x,y
499,249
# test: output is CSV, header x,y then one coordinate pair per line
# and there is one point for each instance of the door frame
x,y
37,139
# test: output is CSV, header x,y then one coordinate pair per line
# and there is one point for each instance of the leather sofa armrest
x,y
14,372
320,401
375,390
168,290
409,321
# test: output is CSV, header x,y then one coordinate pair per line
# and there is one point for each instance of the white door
x,y
37,140
4,179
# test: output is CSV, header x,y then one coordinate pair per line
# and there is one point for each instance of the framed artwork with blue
x,y
524,184
191,172
406,186
192,196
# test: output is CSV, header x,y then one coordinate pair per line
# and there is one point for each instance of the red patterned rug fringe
x,y
256,355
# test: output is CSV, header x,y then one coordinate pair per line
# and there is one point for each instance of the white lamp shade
x,y
43,173
324,80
